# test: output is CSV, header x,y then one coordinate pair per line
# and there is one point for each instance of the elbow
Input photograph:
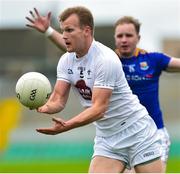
x,y
101,112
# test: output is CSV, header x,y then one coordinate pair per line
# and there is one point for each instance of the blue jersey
x,y
142,73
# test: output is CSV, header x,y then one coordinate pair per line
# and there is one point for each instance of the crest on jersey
x,y
144,66
81,71
89,72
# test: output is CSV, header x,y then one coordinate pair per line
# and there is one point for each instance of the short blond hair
x,y
129,20
85,16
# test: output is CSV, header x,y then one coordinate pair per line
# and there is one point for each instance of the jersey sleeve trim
x,y
106,87
63,80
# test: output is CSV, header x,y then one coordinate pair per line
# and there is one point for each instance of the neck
x,y
85,48
126,55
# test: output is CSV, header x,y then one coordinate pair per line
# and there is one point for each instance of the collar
x,y
136,53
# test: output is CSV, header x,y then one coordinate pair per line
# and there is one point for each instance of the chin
x,y
69,50
125,54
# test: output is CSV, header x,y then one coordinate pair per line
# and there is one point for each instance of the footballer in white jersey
x,y
101,68
125,121
126,136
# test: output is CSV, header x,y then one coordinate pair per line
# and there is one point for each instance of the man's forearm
x,y
56,38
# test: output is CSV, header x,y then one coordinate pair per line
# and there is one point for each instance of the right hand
x,y
43,109
49,109
38,22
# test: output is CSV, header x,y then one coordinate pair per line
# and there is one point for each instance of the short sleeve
x,y
162,60
62,73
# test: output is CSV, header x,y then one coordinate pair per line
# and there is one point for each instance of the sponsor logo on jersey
x,y
144,66
149,76
84,90
138,78
70,71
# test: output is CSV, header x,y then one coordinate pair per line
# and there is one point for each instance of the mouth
x,y
124,47
67,44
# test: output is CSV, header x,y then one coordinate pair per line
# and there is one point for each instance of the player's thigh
x,y
100,164
154,166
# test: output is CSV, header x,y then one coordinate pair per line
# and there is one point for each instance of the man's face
x,y
126,39
73,34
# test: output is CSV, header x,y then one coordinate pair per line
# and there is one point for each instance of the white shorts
x,y
165,143
137,144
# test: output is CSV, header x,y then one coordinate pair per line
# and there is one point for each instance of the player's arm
x,y
174,65
58,98
42,24
100,102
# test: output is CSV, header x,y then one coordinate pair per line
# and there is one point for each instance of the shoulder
x,y
142,52
66,56
159,59
105,53
65,59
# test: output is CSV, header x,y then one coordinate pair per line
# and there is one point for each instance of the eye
x,y
119,36
69,30
129,35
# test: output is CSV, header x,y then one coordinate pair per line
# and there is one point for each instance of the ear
x,y
87,30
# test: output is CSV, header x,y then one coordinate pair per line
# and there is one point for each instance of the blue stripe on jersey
x,y
142,73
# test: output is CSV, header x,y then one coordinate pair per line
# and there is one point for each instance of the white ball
x,y
33,89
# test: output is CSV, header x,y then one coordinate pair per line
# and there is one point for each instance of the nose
x,y
64,35
124,38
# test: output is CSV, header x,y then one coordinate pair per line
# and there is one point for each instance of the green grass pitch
x,y
74,166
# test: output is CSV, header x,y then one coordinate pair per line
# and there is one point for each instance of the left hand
x,y
59,127
39,22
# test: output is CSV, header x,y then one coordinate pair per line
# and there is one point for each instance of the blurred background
x,y
22,50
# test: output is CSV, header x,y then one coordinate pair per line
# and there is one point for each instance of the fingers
x,y
47,131
32,14
59,127
43,109
59,121
28,25
37,13
29,19
39,109
49,15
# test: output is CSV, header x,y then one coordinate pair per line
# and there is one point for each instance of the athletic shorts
x,y
165,143
137,144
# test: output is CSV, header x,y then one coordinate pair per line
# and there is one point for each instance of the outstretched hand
x,y
39,22
59,127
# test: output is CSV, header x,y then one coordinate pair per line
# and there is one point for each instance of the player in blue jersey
x,y
142,69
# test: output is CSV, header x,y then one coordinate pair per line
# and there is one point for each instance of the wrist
x,y
49,31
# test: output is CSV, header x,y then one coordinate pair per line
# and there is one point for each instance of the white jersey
x,y
101,68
